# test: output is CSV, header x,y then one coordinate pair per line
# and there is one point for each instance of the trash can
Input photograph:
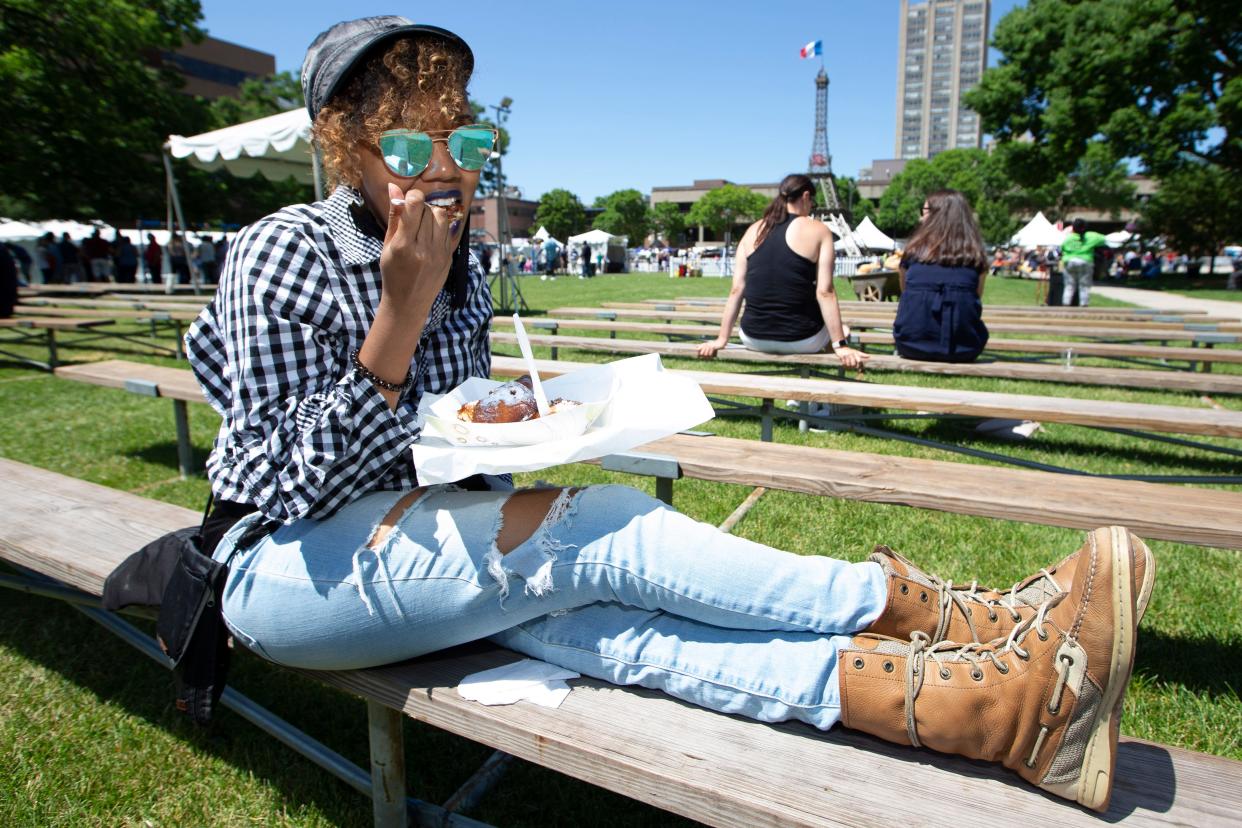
x,y
1056,284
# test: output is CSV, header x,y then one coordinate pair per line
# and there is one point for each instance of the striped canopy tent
x,y
276,147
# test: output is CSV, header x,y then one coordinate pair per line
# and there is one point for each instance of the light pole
x,y
510,295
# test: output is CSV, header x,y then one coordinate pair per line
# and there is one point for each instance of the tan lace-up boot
x,y
1045,701
921,602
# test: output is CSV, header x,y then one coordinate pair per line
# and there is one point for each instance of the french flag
x,y
815,47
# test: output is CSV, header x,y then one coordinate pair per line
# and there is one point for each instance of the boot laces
x,y
922,648
960,596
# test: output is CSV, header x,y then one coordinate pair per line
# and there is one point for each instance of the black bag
x,y
191,631
176,573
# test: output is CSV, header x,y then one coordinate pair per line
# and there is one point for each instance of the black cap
x,y
334,54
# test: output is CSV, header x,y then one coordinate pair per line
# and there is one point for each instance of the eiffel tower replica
x,y
820,169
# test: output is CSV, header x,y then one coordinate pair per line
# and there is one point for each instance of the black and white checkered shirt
x,y
303,434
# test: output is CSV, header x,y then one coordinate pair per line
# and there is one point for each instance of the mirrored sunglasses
x,y
407,152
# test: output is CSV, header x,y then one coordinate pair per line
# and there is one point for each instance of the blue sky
x,y
644,94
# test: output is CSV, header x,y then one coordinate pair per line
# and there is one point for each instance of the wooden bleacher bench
x,y
42,329
871,314
1101,330
718,769
189,299
1096,311
78,289
1208,517
102,288
106,323
1093,310
1100,413
1001,312
1077,375
1062,348
177,313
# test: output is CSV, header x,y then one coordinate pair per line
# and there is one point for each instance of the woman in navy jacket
x,y
939,318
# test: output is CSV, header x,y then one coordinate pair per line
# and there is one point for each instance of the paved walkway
x,y
1170,301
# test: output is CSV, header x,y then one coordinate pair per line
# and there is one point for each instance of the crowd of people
x,y
1099,261
97,259
548,259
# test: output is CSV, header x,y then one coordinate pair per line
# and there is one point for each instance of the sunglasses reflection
x,y
407,152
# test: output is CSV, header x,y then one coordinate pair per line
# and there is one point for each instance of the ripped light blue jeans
x,y
613,584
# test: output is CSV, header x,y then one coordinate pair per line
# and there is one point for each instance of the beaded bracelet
x,y
366,373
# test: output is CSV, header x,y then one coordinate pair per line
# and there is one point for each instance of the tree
x,y
561,213
1097,182
217,197
856,207
625,214
86,108
258,98
1197,209
1153,80
668,222
724,207
975,173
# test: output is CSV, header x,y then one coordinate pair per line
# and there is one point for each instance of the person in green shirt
x,y
1078,258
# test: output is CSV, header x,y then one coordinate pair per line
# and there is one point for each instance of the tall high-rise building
x,y
943,50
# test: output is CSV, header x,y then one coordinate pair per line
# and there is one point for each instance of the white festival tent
x,y
542,237
12,230
1118,238
276,147
601,242
15,231
1038,232
592,237
871,237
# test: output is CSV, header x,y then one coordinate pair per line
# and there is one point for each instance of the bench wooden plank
x,y
1208,517
172,383
104,288
1101,413
143,315
119,303
56,323
1034,313
91,288
1073,374
882,315
721,770
179,384
1102,330
1079,348
1093,310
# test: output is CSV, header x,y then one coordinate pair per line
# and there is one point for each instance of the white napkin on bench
x,y
529,679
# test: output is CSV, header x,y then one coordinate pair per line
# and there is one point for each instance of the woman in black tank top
x,y
790,303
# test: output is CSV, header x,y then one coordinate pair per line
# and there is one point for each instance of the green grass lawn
x,y
542,294
89,735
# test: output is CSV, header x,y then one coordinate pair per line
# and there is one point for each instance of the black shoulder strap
x,y
202,524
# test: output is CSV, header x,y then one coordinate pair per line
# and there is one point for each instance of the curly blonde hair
x,y
418,82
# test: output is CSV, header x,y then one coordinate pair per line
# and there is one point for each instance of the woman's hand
x,y
418,249
708,349
849,357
